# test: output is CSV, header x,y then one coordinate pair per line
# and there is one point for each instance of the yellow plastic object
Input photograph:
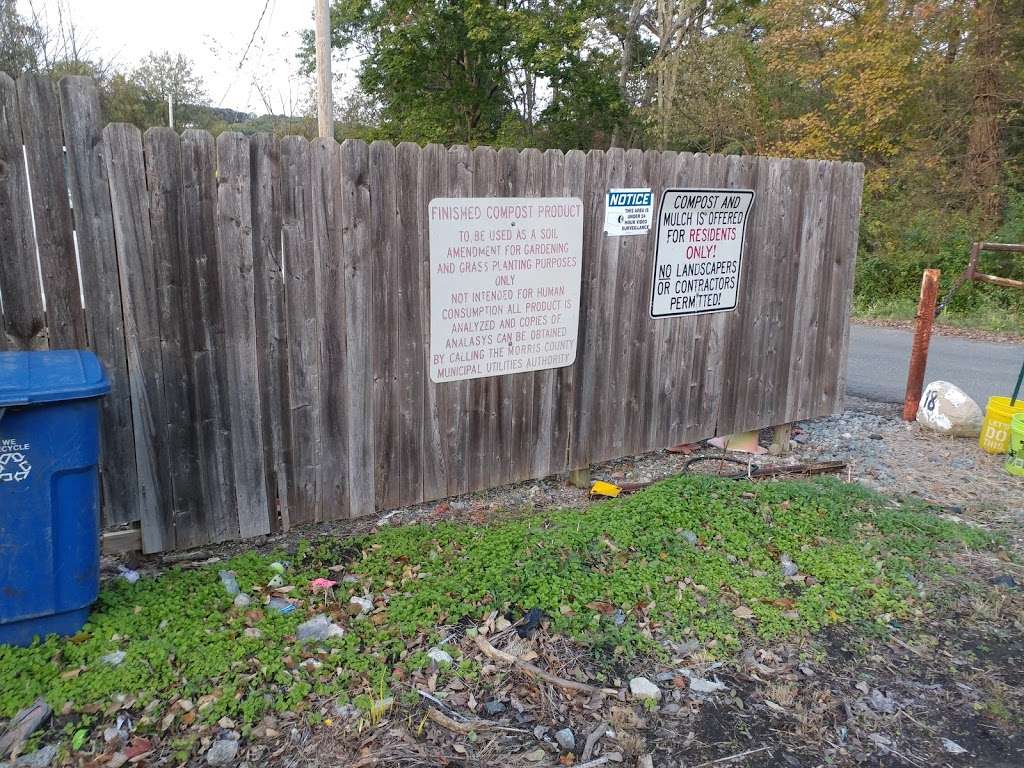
x,y
995,429
1015,464
601,488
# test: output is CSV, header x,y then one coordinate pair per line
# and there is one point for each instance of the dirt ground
x,y
945,689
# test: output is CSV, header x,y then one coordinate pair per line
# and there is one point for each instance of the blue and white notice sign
x,y
628,211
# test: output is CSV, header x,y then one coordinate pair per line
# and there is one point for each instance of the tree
x,y
20,41
160,75
460,70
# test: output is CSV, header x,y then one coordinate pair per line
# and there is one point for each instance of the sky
x,y
214,33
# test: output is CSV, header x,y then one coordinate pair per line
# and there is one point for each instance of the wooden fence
x,y
262,309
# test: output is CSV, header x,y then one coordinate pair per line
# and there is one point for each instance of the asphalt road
x,y
879,357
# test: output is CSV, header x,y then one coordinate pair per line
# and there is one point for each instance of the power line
x,y
259,21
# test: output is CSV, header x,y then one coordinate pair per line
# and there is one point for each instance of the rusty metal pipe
x,y
922,337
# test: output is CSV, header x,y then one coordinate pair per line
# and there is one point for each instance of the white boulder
x,y
947,409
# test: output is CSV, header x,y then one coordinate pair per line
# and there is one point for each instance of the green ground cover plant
x,y
859,558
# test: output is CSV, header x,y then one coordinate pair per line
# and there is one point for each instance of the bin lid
x,y
45,377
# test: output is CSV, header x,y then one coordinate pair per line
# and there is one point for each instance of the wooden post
x,y
780,440
580,478
324,96
922,337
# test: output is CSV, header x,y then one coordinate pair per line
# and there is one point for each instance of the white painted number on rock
x,y
700,250
504,285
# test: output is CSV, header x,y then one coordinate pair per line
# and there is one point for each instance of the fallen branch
x,y
23,725
475,726
494,654
592,739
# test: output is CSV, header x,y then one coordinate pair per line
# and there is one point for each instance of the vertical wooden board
x,y
433,175
24,320
656,370
846,213
784,285
82,123
302,317
547,383
411,356
328,211
573,185
688,172
183,505
44,154
705,400
271,325
845,298
234,248
525,406
633,316
826,314
384,321
589,366
358,262
501,469
455,395
483,404
130,205
805,326
762,227
205,318
741,174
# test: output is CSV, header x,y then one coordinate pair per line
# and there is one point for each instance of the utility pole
x,y
170,110
324,97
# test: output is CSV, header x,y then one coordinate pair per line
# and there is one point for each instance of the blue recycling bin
x,y
49,491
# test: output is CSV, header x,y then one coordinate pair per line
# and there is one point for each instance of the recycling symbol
x,y
14,467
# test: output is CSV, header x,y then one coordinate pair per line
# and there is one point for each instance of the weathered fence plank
x,y
183,508
24,320
302,321
385,323
433,183
140,299
411,352
358,286
82,123
271,325
205,327
55,245
482,407
588,363
235,262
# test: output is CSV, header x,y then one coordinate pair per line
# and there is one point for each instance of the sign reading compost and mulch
x,y
504,285
699,251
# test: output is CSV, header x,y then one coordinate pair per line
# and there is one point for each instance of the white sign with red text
x,y
700,251
504,284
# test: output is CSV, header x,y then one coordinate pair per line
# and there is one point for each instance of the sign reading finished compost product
x,y
504,285
699,251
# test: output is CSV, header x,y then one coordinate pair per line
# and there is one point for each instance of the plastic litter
x,y
277,567
114,658
276,582
601,488
529,623
281,606
128,574
789,568
318,629
227,578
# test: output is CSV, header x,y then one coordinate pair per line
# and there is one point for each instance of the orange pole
x,y
922,337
